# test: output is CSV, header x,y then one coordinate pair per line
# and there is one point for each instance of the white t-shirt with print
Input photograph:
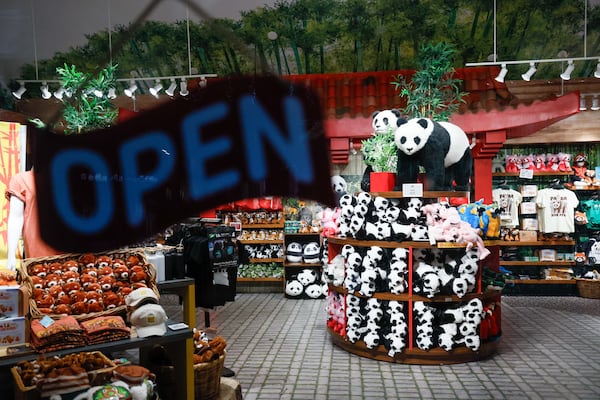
x,y
508,200
556,210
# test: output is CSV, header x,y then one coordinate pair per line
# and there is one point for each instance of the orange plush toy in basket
x,y
209,358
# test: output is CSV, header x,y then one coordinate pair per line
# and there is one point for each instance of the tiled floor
x,y
280,349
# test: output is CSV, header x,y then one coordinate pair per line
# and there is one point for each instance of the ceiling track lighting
x,y
502,74
595,104
155,90
112,93
20,91
597,71
582,104
183,90
566,75
130,91
172,87
527,75
45,91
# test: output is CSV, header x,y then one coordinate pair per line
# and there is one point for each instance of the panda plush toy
x,y
442,148
384,121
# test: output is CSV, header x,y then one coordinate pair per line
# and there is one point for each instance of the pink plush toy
x,y
564,162
539,162
552,162
512,163
329,219
527,162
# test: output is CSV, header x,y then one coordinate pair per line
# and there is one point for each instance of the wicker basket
x,y
207,379
34,310
588,288
96,377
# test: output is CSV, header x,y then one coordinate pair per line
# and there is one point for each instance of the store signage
x,y
237,138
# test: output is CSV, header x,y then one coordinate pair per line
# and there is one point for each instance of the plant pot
x,y
382,181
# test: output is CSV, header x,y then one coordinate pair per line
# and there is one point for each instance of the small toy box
x,y
12,331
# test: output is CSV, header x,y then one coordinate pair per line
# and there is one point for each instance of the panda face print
x,y
347,200
313,291
307,276
412,136
375,253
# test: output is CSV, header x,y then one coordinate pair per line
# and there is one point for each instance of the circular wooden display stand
x,y
435,356
413,355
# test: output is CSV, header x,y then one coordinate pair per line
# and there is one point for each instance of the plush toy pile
x,y
550,162
305,284
205,349
448,326
263,251
369,270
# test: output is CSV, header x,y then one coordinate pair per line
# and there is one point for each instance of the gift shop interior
x,y
300,200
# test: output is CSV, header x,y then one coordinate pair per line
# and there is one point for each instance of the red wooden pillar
x,y
487,145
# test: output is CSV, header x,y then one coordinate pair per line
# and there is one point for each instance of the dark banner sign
x,y
237,138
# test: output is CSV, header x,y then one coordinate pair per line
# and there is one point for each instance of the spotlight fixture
x,y
59,93
597,71
502,74
20,91
45,91
527,75
183,90
112,93
566,75
130,91
582,104
595,106
202,82
155,90
171,89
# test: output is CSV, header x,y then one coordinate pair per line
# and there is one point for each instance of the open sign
x,y
238,138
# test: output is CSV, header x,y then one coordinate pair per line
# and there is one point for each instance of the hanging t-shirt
x,y
508,200
556,210
591,207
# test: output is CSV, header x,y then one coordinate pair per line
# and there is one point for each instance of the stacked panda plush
x,y
442,148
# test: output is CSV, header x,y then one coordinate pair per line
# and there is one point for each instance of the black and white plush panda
x,y
442,148
384,121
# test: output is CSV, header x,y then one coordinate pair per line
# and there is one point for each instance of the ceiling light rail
x,y
130,83
565,75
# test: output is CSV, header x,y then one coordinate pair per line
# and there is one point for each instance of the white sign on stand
x,y
412,190
526,173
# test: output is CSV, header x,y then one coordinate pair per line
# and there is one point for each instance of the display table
x,y
179,345
185,288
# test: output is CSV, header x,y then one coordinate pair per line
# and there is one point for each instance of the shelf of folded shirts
x,y
535,173
539,243
556,264
542,281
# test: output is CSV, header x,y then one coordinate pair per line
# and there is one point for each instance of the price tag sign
x,y
526,173
412,190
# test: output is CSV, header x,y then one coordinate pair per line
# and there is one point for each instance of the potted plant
x,y
379,152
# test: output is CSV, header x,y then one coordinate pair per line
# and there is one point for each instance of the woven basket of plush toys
x,y
209,358
85,285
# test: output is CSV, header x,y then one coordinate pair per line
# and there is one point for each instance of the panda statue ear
x,y
375,113
401,121
396,112
423,122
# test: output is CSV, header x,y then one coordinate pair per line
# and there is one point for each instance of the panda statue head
x,y
385,121
412,135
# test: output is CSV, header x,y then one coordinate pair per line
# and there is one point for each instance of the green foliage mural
x,y
322,36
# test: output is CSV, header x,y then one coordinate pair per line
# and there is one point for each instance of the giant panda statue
x,y
384,121
442,148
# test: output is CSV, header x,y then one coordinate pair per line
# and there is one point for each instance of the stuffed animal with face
x,y
442,148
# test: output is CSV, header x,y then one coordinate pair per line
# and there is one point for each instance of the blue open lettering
x,y
294,150
198,152
135,185
59,172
